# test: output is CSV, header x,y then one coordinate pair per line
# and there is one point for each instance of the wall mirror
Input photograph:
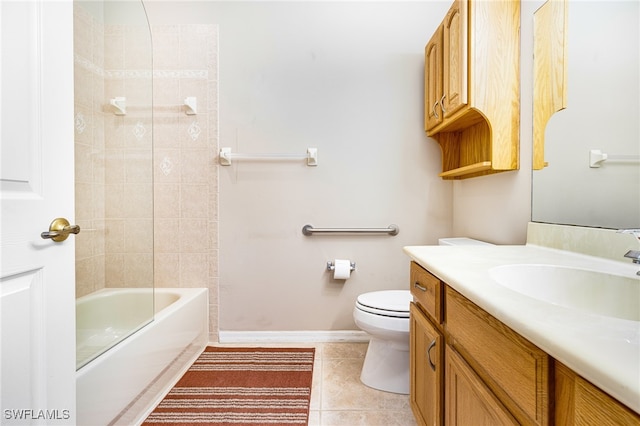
x,y
590,75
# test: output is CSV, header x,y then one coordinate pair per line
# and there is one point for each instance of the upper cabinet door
x,y
433,81
455,67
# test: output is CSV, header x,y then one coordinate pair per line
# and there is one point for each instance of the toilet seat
x,y
389,303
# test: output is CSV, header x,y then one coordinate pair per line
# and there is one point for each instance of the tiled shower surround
x,y
185,160
146,186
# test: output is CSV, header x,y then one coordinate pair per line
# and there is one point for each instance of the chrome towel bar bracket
x,y
310,230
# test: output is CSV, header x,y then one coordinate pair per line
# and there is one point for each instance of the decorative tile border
x,y
125,74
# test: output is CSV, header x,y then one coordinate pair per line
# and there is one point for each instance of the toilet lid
x,y
393,303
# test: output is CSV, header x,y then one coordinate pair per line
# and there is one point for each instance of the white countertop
x,y
603,350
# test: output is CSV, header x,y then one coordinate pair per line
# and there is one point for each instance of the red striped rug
x,y
241,386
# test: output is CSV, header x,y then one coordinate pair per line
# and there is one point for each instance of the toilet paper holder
x,y
331,266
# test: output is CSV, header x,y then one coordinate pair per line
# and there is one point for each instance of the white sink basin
x,y
589,291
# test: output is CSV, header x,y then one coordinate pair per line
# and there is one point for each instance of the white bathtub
x,y
110,385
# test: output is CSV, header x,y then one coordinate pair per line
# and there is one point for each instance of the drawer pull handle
x,y
419,287
431,364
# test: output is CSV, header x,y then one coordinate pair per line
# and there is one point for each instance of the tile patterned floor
x,y
338,398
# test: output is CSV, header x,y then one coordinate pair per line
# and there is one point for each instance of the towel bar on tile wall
x,y
119,104
310,230
226,156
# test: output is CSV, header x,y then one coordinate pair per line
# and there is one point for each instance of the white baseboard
x,y
292,336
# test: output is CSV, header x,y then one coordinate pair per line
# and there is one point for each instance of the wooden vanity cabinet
x,y
469,368
489,372
472,88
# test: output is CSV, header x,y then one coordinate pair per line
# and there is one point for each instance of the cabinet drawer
x,y
427,291
514,369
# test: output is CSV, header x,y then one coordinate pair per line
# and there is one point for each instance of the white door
x,y
37,291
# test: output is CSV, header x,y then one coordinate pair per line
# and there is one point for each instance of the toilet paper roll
x,y
342,269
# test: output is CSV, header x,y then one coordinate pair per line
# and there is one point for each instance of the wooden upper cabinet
x,y
455,54
433,81
475,116
445,59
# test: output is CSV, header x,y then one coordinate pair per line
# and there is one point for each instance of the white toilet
x,y
384,315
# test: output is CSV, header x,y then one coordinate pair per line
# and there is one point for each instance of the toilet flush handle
x,y
431,364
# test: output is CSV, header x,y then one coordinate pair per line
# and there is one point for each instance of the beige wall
x,y
346,78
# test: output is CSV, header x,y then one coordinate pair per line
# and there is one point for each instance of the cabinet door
x,y
455,65
579,403
514,369
468,400
433,80
426,356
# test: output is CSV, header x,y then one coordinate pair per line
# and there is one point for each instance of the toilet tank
x,y
462,241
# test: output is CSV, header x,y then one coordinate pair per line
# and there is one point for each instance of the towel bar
x,y
226,156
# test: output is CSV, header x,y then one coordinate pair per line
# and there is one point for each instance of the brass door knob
x,y
59,230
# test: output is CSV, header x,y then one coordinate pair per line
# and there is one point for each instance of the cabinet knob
x,y
444,111
434,110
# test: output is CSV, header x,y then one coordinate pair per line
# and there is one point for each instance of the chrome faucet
x,y
634,255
